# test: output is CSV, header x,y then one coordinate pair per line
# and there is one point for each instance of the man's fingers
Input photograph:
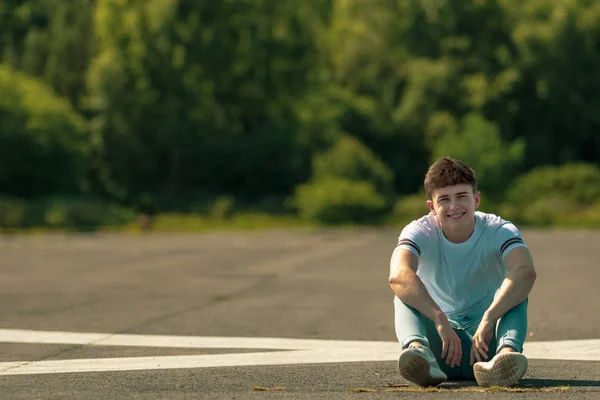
x,y
450,352
454,349
444,348
474,355
476,350
484,345
471,357
458,352
483,353
479,349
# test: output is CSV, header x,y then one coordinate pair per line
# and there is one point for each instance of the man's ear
x,y
477,199
430,206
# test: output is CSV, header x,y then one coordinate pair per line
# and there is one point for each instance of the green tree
x,y
556,98
49,39
44,140
477,142
406,63
201,96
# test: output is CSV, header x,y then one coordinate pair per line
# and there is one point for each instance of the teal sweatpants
x,y
411,326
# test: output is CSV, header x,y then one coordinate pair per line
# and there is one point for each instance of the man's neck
x,y
459,236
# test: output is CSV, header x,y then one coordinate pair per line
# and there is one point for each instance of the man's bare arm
x,y
410,290
516,285
408,286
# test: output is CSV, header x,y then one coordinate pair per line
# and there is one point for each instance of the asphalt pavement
x,y
272,314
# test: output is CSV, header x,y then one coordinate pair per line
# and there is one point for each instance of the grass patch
x,y
200,223
361,390
248,221
267,389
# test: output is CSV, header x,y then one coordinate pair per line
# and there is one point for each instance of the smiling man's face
x,y
454,207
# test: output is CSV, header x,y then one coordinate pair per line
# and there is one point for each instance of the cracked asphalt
x,y
309,284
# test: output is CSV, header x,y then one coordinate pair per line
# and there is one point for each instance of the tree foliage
x,y
477,142
44,143
49,39
196,96
339,200
350,159
251,98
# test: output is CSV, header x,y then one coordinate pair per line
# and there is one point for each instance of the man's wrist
x,y
490,316
440,317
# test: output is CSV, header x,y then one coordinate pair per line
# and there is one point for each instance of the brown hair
x,y
447,171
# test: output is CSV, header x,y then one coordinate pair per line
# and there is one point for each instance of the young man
x,y
461,279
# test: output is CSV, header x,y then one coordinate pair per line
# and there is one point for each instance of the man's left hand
x,y
481,339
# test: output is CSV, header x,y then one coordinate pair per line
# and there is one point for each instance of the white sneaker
x,y
505,369
418,365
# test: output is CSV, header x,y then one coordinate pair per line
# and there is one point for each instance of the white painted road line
x,y
193,342
577,350
201,361
299,351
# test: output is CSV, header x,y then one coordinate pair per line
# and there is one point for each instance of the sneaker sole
x,y
507,370
415,368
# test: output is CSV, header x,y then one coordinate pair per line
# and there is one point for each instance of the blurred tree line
x,y
334,107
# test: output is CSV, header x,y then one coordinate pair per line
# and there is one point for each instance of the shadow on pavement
x,y
557,382
525,383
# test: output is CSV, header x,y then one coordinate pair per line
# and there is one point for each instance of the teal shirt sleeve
x,y
414,238
508,237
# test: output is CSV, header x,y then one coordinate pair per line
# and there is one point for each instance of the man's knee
x,y
415,340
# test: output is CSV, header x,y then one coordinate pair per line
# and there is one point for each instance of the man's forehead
x,y
452,190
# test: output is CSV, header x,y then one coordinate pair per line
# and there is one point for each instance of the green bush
x,y
580,218
12,212
579,183
546,210
548,194
556,211
411,207
223,207
66,213
350,159
338,200
84,214
43,139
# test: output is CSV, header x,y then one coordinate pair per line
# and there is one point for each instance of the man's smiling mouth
x,y
456,215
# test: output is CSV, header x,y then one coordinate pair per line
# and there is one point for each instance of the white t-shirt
x,y
459,277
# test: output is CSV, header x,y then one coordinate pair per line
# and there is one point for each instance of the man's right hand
x,y
410,290
451,344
